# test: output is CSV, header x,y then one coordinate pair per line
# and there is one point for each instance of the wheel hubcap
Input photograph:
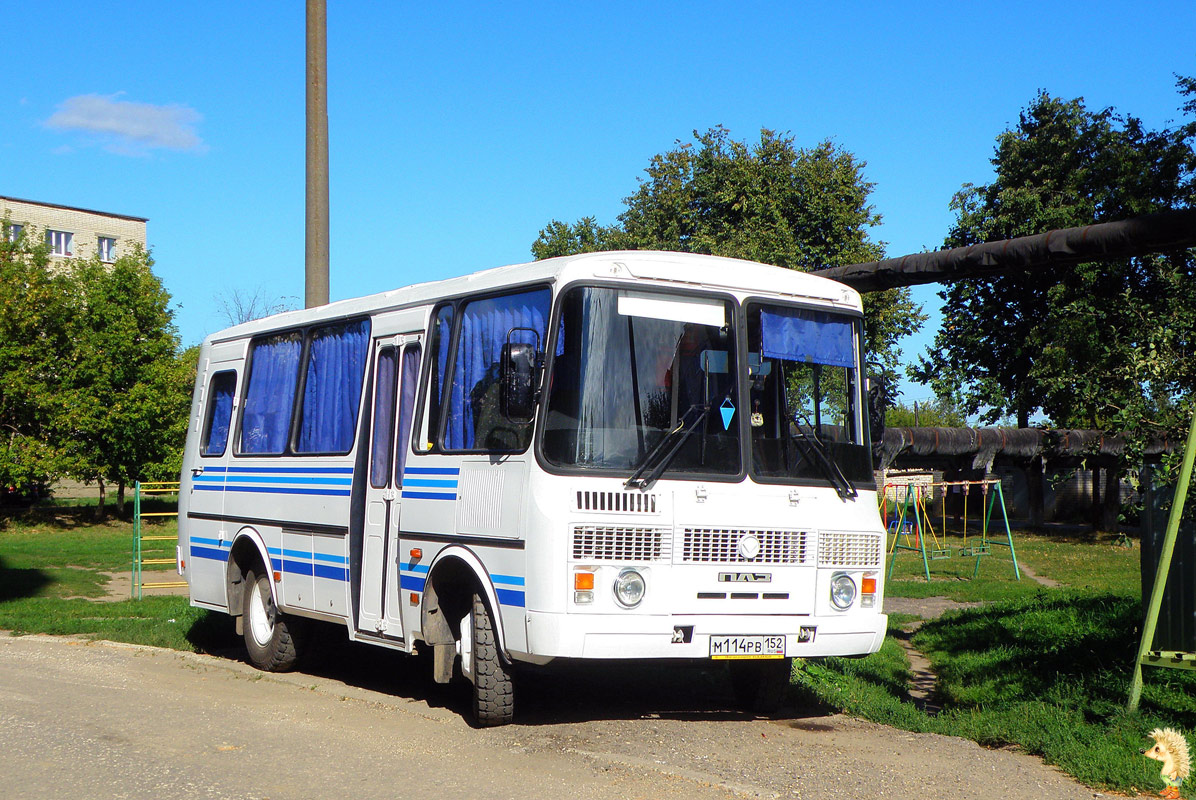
x,y
261,615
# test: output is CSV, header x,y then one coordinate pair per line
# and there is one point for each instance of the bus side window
x,y
336,356
407,386
220,413
474,420
438,346
384,415
270,394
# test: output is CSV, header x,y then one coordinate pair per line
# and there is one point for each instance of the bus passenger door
x,y
396,373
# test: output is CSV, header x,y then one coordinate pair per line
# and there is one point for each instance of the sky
x,y
457,130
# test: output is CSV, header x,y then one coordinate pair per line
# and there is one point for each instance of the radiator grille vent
x,y
623,502
712,545
619,543
848,549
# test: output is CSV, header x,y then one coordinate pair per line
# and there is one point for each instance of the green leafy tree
x,y
127,392
35,312
1101,345
768,201
92,383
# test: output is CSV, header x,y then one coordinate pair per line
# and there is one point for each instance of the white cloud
x,y
127,127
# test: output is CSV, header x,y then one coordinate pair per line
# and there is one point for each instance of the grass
x,y
1045,669
54,565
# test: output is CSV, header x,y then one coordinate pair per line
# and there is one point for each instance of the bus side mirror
x,y
518,371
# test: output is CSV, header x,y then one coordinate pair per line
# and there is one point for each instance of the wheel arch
x,y
453,575
248,550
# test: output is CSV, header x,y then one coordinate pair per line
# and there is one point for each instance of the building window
x,y
60,242
107,248
13,231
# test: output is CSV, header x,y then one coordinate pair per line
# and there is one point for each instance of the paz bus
x,y
620,455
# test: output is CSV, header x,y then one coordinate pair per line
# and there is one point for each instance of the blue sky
x,y
457,130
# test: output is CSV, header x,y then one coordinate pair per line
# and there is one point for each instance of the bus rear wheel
x,y
275,640
760,684
493,689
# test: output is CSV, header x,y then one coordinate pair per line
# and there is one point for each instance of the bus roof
x,y
657,268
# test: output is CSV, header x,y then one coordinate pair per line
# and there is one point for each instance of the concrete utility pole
x,y
316,283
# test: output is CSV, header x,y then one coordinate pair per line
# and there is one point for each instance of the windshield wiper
x,y
681,434
843,485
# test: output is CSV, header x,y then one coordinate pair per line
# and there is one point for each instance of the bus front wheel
x,y
493,689
275,640
760,685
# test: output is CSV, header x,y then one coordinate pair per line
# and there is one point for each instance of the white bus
x,y
623,455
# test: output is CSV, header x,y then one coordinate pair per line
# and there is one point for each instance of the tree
x,y
126,393
1100,345
92,384
35,312
770,202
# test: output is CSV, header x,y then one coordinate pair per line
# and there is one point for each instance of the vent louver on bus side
x,y
620,543
840,549
721,545
617,502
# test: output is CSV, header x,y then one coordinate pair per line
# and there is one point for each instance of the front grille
x,y
848,549
620,502
620,543
721,545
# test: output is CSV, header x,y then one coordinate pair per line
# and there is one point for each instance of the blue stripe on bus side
x,y
425,482
286,470
509,597
413,583
428,496
271,490
432,471
271,479
208,552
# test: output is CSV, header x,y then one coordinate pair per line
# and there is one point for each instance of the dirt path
x,y
117,721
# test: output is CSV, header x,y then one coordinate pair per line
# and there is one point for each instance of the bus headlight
x,y
842,591
630,588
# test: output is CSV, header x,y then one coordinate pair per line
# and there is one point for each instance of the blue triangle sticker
x,y
727,409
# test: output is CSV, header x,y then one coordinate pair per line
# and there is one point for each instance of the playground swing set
x,y
912,530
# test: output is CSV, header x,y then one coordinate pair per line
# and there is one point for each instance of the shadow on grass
x,y
16,583
1073,650
70,514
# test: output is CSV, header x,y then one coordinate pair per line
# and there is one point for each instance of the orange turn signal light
x,y
415,598
583,581
277,576
416,554
868,586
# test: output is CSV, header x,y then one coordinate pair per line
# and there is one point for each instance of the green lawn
x,y
1046,669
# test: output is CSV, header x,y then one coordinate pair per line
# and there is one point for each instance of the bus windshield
x,y
644,380
805,412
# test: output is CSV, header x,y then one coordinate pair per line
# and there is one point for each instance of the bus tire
x,y
760,685
275,640
493,689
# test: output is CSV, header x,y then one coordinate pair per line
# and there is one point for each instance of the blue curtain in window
x,y
484,328
332,393
221,413
271,394
811,336
410,380
384,418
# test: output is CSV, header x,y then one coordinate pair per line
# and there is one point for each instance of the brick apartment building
x,y
73,232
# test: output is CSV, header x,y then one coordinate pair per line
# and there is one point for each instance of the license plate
x,y
747,646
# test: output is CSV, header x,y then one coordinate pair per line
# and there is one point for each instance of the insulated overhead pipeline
x,y
1152,233
985,444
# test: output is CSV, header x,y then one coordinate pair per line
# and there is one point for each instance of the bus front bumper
x,y
551,635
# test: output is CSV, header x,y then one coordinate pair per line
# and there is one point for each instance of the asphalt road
x,y
102,720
